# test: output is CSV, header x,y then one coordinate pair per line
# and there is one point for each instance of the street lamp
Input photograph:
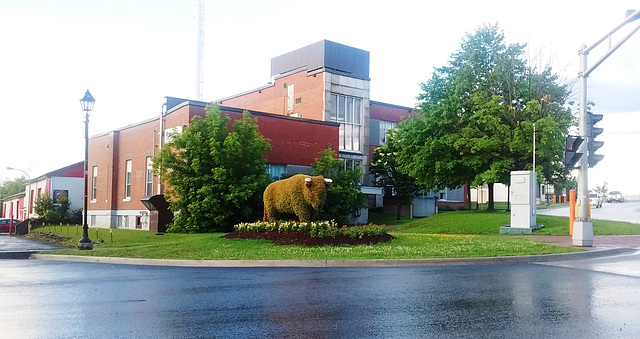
x,y
28,195
87,105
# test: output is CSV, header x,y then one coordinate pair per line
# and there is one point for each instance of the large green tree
x,y
343,197
476,118
56,211
215,172
11,187
385,167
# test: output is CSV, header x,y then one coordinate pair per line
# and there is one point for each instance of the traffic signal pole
x,y
583,227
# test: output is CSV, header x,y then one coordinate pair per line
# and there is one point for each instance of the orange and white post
x,y
572,210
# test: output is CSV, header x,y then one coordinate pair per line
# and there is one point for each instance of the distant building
x,y
67,181
13,206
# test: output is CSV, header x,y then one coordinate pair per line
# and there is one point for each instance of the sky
x,y
132,53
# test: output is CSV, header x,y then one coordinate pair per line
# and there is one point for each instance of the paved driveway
x,y
19,247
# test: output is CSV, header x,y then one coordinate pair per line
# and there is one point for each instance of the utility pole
x,y
583,227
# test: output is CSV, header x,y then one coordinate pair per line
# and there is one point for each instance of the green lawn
x,y
446,235
481,222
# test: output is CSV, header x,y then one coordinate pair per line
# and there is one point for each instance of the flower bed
x,y
316,233
318,229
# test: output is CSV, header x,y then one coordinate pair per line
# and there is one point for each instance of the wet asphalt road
x,y
595,298
628,211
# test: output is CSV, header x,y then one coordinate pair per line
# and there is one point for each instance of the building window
x,y
290,97
350,164
384,127
127,180
276,171
149,179
94,183
348,112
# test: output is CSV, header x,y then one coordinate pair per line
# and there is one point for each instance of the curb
x,y
17,255
340,263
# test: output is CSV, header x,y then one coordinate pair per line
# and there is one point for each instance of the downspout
x,y
163,110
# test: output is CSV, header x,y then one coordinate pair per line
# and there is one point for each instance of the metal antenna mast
x,y
199,47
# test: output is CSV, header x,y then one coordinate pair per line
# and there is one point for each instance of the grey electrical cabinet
x,y
523,199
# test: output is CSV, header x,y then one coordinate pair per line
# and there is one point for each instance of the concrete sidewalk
x,y
599,242
21,248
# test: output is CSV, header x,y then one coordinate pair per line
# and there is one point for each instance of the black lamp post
x,y
87,105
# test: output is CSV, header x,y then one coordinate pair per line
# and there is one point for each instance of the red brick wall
x,y
274,99
136,144
293,141
101,153
386,112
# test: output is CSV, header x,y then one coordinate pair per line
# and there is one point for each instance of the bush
x,y
318,229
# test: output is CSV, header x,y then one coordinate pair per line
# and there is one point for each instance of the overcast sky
x,y
132,53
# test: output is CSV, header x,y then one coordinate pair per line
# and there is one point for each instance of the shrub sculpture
x,y
299,196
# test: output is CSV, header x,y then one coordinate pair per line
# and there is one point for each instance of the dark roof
x,y
325,56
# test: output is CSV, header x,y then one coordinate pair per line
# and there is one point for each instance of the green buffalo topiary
x,y
299,196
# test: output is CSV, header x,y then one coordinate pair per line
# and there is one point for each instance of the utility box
x,y
523,203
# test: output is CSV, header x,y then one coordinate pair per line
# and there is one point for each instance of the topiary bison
x,y
299,196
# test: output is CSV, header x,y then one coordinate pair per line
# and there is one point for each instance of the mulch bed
x,y
48,237
304,238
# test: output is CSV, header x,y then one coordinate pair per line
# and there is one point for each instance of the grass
x,y
480,222
445,235
143,244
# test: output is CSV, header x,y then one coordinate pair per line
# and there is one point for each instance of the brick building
x,y
319,97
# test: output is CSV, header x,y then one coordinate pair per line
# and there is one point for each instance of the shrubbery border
x,y
317,229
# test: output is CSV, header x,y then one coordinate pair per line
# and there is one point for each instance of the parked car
x,y
595,200
5,224
615,196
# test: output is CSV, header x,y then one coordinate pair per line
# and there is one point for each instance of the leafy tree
x,y
343,197
56,211
216,172
603,188
476,117
386,169
11,187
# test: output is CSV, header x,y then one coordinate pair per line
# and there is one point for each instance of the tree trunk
x,y
398,212
491,206
468,187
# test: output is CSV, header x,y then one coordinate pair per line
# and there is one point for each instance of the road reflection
x,y
57,299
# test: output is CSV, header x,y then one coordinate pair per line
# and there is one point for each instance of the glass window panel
x,y
341,107
341,136
356,138
127,187
349,117
149,178
348,137
94,183
358,111
334,107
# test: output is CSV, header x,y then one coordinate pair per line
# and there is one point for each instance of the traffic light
x,y
594,145
571,155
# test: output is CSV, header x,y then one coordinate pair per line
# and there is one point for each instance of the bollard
x,y
572,210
